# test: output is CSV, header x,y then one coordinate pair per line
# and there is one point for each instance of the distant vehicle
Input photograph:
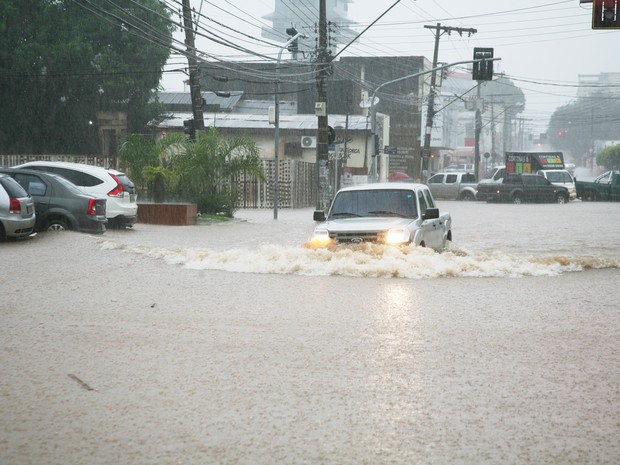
x,y
531,162
561,178
460,167
453,185
523,188
387,213
59,204
17,212
496,175
115,186
518,163
605,187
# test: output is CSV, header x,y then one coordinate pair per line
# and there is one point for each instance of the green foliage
x,y
148,164
136,153
62,61
202,172
573,128
207,168
609,157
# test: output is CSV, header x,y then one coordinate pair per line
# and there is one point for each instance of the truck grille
x,y
357,237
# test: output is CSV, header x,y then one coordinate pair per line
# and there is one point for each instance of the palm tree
x,y
207,170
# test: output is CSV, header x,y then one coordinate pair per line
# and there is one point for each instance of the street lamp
x,y
276,187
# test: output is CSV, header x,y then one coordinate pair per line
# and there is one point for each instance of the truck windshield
x,y
374,202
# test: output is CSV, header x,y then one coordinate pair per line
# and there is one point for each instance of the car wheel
x,y
2,233
561,198
517,199
467,196
56,225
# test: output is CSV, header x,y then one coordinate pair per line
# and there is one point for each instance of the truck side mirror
x,y
430,214
319,215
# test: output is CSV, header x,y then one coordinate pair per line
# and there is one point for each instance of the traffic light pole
x,y
430,112
276,156
373,113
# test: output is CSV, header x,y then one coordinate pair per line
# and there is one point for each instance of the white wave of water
x,y
367,260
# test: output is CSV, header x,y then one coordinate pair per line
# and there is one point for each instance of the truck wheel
x,y
561,198
467,196
517,199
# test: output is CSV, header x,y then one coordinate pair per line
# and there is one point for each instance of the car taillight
x,y
118,190
15,206
92,207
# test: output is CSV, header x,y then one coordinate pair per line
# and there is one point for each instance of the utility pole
x,y
430,113
478,130
194,74
322,152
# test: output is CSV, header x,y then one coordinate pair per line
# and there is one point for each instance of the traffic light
x,y
605,14
331,135
482,70
293,46
189,128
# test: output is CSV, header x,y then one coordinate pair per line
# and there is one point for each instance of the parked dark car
x,y
60,205
17,216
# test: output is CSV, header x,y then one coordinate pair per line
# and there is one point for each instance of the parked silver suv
x,y
115,186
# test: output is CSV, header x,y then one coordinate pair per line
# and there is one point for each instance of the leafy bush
x,y
609,157
202,171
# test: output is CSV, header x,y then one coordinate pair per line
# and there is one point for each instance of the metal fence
x,y
296,180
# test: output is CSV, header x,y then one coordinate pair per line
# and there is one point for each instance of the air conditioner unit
x,y
308,142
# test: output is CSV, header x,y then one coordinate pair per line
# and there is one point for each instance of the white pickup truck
x,y
388,213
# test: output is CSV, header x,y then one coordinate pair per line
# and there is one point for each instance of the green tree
x,y
148,163
573,128
72,58
609,157
207,170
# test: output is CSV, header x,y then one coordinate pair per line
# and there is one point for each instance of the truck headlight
x,y
320,238
397,236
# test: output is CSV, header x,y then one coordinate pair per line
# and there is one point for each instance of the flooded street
x,y
232,343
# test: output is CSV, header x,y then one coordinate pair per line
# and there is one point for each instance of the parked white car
x,y
113,185
387,213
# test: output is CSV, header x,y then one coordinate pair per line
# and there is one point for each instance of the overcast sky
x,y
544,45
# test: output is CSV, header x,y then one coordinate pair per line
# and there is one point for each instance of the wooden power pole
x,y
194,73
321,111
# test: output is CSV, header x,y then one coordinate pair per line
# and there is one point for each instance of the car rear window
x,y
12,187
78,178
127,183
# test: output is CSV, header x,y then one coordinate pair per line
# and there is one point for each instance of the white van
x,y
561,178
113,185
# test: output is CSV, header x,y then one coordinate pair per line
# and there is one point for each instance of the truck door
x,y
451,186
436,184
615,187
432,230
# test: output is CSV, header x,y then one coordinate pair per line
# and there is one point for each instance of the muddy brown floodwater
x,y
234,344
